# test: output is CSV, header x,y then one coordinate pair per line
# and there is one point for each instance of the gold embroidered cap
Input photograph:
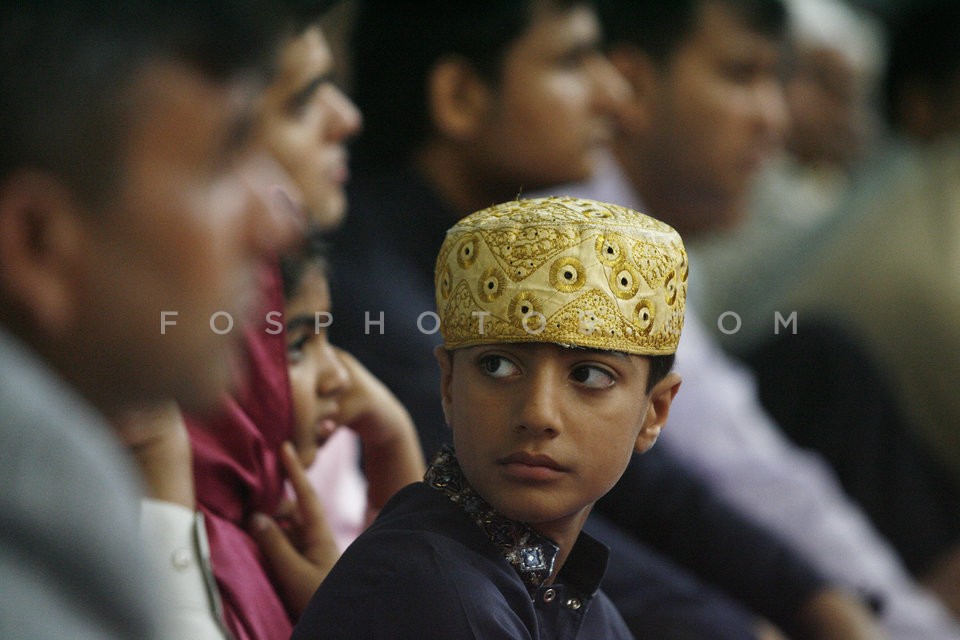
x,y
563,270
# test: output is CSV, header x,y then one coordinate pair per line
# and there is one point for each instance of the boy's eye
x,y
593,377
497,366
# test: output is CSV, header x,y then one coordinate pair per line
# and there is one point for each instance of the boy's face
x,y
317,377
542,431
716,111
305,122
554,106
188,232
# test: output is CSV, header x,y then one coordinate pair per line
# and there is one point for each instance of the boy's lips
x,y
532,466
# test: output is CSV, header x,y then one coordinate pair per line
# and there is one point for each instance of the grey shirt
x,y
71,562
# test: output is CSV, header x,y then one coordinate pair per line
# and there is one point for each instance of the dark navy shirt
x,y
439,563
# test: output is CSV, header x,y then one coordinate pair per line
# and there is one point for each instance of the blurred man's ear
x,y
41,250
661,398
445,360
918,112
641,73
457,98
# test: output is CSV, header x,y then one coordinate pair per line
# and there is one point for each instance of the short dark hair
x,y
660,366
659,27
65,67
923,52
301,14
395,44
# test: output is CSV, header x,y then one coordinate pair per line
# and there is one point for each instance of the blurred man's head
x,y
708,106
836,53
922,83
129,190
491,98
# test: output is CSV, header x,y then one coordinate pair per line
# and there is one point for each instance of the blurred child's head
x,y
560,318
317,377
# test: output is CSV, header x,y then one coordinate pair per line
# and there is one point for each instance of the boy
x,y
559,318
493,99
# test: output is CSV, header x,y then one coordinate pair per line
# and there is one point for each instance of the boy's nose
x,y
539,412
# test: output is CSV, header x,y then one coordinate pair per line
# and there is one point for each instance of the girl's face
x,y
317,377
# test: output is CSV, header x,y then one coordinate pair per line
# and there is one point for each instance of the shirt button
x,y
572,603
181,559
549,595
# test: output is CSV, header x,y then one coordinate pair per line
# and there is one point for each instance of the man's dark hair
x,y
396,43
924,54
66,66
301,14
659,27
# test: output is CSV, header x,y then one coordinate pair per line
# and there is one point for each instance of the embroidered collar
x,y
530,554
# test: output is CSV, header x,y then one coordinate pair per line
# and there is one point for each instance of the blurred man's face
x,y
306,121
828,100
718,112
184,239
554,107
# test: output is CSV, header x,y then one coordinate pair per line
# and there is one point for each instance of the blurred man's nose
x,y
611,89
771,110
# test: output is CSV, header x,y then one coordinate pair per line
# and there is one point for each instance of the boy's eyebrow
x,y
304,93
604,352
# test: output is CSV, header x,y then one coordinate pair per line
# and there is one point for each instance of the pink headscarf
x,y
238,472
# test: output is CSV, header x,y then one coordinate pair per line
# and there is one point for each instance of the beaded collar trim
x,y
530,554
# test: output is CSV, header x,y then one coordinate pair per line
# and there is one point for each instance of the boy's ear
x,y
40,249
446,376
641,73
661,397
457,98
